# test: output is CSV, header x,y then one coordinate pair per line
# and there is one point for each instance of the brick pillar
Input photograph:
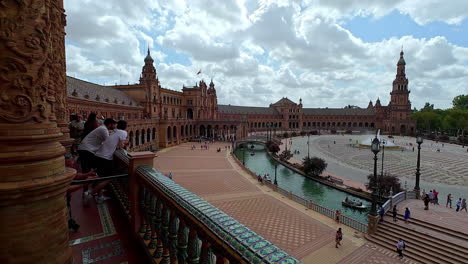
x,y
136,159
33,178
372,224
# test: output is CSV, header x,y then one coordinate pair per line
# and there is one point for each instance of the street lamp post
x,y
276,182
308,145
375,147
419,140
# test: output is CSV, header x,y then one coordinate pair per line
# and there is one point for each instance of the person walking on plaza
x,y
394,213
463,205
426,202
431,196
458,204
407,215
338,237
449,200
436,197
337,216
400,246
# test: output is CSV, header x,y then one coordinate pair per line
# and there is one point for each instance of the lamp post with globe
x,y
419,140
375,147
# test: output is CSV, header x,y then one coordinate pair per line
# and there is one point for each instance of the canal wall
x,y
348,221
363,195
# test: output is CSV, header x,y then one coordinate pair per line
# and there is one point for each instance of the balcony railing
x,y
176,226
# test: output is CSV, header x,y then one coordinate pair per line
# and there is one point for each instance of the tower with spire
x,y
151,84
399,108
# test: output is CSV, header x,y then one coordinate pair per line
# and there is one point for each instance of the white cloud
x,y
260,51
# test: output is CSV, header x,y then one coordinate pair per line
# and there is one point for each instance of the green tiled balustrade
x,y
252,247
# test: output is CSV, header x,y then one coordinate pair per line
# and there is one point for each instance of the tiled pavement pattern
x,y
215,178
447,166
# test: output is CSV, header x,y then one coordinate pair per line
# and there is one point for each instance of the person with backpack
x,y
400,246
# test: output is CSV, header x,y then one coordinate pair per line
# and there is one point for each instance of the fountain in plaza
x,y
388,143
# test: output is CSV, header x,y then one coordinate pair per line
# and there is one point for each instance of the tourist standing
x,y
337,216
170,175
449,200
90,124
338,237
394,213
431,196
436,197
463,205
458,204
92,142
400,246
407,215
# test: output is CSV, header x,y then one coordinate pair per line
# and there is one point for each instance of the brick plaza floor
x,y
303,233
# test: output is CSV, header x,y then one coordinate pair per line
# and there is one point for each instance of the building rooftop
x,y
338,111
234,109
84,90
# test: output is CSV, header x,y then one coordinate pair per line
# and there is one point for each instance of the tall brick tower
x,y
400,105
149,80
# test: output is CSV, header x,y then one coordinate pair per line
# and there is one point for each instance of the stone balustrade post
x,y
173,232
193,248
182,242
136,159
33,178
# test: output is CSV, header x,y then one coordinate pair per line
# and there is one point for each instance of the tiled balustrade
x,y
176,226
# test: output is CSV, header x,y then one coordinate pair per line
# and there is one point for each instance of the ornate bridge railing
x,y
397,198
176,226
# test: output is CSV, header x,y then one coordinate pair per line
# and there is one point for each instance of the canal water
x,y
261,163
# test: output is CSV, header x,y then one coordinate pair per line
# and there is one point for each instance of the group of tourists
x,y
432,197
94,146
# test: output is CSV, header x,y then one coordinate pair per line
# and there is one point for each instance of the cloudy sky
x,y
330,53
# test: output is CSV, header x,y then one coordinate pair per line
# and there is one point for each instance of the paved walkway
x,y
303,233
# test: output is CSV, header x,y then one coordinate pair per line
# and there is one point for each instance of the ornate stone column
x,y
33,178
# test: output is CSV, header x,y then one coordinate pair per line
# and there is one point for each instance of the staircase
x,y
425,242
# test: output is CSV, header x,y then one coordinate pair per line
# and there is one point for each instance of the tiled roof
x,y
234,109
84,90
338,111
284,100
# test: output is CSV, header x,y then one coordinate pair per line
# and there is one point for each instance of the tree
x,y
384,183
293,134
313,166
303,133
272,147
460,102
428,107
285,155
285,135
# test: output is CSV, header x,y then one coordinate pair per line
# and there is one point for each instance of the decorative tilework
x,y
87,252
108,228
247,243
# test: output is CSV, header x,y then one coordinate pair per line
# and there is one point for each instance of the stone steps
x,y
434,227
420,246
437,248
